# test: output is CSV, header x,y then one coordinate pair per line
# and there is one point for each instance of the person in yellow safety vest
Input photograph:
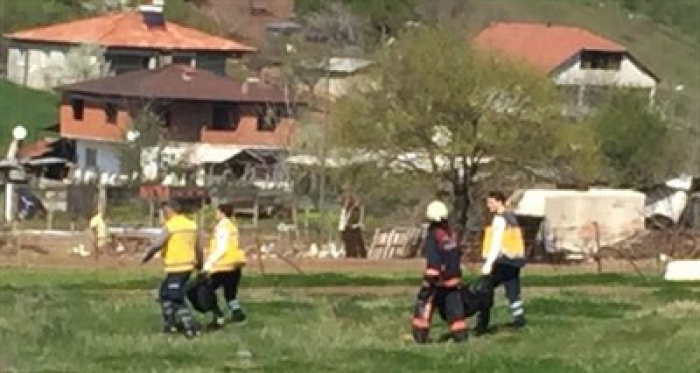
x,y
503,252
224,261
178,243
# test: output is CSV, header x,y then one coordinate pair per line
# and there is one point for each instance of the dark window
x,y
224,117
78,109
90,158
591,60
183,60
269,118
166,118
111,113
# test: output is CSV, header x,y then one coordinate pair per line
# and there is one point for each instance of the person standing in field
x,y
350,226
179,244
503,252
223,266
442,281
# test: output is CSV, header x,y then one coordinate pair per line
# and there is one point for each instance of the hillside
x,y
30,108
663,34
669,52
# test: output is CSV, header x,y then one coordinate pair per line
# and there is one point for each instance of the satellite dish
x,y
19,133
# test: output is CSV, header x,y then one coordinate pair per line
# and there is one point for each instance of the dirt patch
x,y
65,259
42,252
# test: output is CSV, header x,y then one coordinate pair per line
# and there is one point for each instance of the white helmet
x,y
437,211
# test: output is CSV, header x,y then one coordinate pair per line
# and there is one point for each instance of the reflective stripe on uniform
x,y
458,325
420,323
452,282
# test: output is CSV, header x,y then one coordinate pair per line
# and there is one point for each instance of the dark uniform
x,y
441,287
508,263
478,300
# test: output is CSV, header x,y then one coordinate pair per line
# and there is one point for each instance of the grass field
x,y
90,321
33,109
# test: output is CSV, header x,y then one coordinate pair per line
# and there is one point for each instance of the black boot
x,y
460,336
518,322
238,316
216,323
420,335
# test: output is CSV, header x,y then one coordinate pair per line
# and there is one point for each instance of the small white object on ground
x,y
683,270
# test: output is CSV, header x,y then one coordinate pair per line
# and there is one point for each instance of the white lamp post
x,y
19,133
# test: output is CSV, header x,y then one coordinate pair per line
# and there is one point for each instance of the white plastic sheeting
x,y
576,221
683,270
670,201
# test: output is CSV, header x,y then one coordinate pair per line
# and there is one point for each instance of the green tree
x,y
454,108
639,148
144,132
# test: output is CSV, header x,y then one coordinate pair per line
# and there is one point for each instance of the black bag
x,y
201,295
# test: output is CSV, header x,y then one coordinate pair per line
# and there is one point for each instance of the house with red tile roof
x,y
580,62
133,40
198,110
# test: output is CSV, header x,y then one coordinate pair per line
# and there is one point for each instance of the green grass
x,y
68,321
32,109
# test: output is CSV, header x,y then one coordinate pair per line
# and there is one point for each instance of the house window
x,y
591,60
268,119
183,60
224,117
90,158
78,107
111,113
166,118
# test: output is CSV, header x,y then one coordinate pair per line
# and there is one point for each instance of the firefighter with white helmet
x,y
441,280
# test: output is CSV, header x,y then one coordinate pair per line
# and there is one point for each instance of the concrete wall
x,y
630,74
39,66
107,155
42,65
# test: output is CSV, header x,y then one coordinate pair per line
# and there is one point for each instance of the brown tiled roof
x,y
128,30
542,45
178,82
36,149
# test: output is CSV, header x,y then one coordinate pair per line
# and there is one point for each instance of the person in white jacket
x,y
223,264
503,252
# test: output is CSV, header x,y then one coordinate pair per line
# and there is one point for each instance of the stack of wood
x,y
397,242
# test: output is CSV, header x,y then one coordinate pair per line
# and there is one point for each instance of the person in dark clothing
x,y
504,254
441,287
477,298
351,220
178,244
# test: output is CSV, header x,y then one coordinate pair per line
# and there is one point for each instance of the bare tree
x,y
86,61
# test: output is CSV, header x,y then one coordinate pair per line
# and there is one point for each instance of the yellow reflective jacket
x,y
233,256
512,244
180,253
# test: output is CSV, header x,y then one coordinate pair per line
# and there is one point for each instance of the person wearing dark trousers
x,y
350,226
503,252
441,286
223,266
178,243
478,301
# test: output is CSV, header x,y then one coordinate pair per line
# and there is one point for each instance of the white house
x,y
133,40
342,75
578,61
